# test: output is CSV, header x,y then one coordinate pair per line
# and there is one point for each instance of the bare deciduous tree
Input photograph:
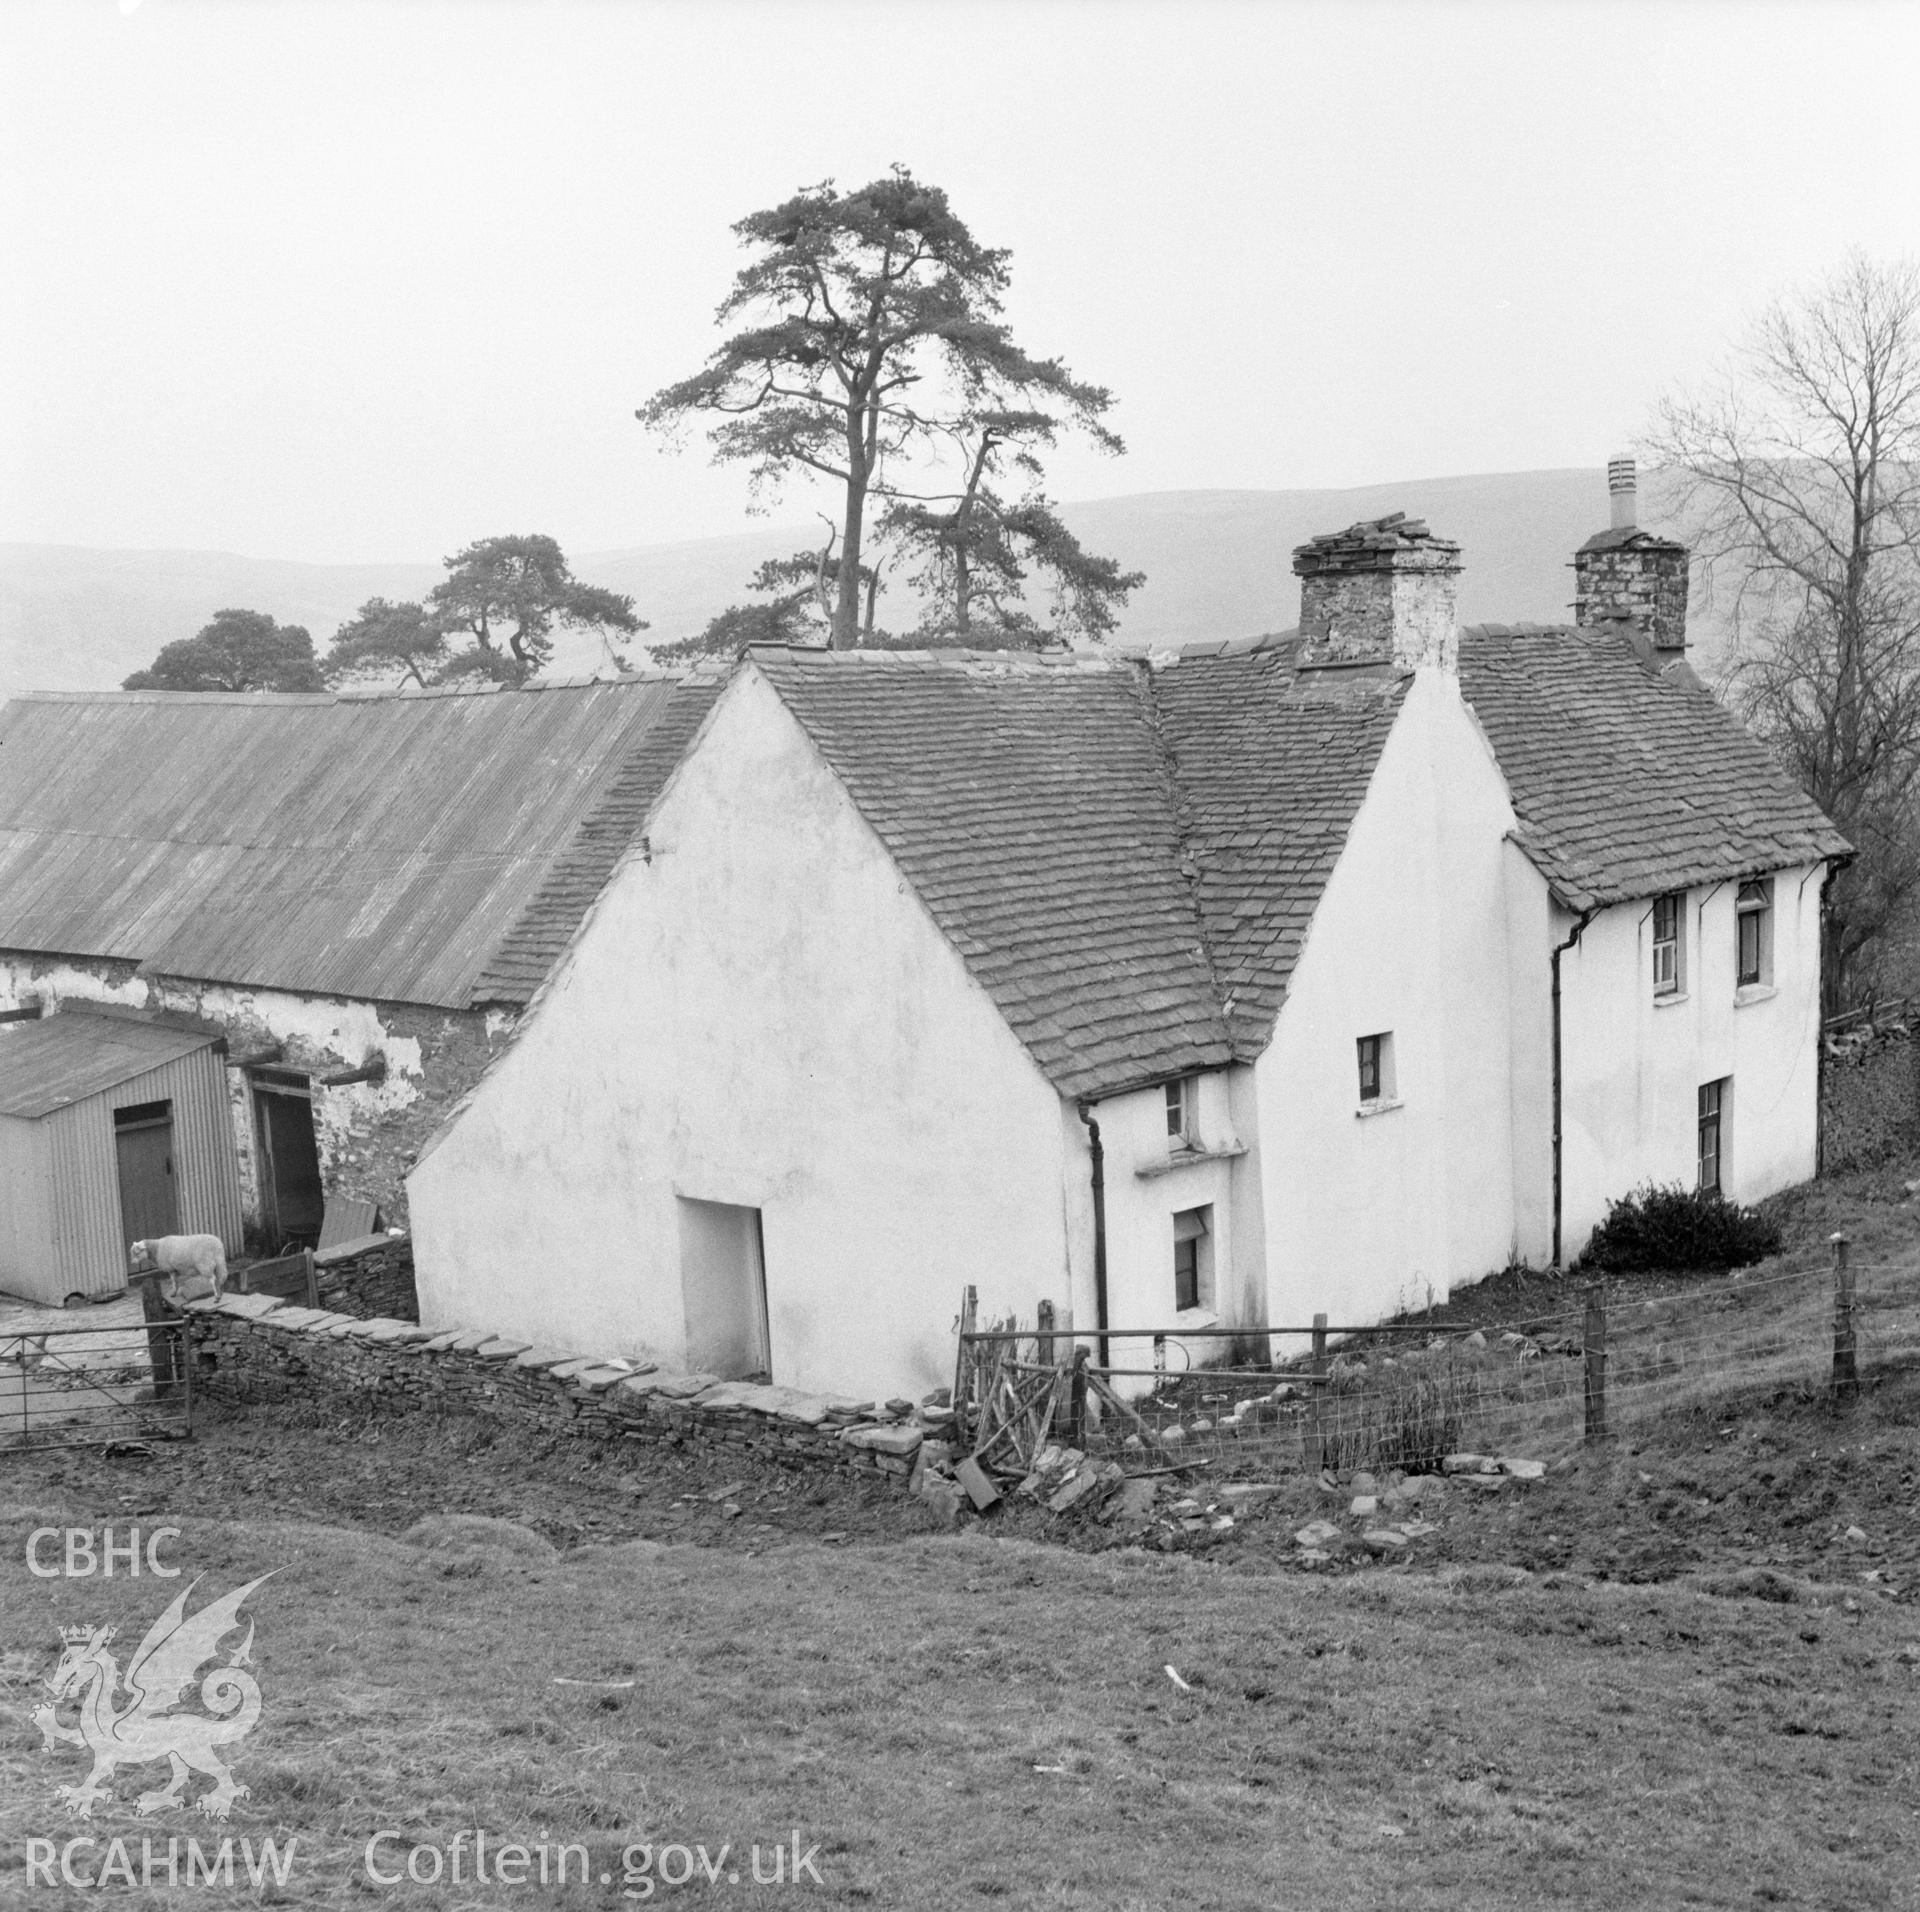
x,y
1800,485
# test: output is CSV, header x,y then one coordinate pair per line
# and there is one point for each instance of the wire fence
x,y
1258,1403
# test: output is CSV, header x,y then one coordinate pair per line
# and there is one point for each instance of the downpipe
x,y
1559,950
1098,1155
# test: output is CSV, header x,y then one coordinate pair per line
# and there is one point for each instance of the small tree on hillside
x,y
1801,476
507,595
235,651
870,334
386,642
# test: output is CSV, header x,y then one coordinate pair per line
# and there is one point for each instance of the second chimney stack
x,y
1626,575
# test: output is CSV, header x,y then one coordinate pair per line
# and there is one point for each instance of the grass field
x,y
1667,1675
958,1720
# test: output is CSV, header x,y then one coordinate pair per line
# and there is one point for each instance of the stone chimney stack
x,y
1626,576
1383,592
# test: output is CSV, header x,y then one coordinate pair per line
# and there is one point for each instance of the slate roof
x,y
1629,781
404,848
60,1060
1125,859
1271,766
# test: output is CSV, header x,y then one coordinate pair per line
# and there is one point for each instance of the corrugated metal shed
x,y
379,848
49,1064
61,1082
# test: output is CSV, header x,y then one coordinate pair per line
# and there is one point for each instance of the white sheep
x,y
177,1255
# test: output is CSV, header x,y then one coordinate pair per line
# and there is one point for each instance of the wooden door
x,y
143,1145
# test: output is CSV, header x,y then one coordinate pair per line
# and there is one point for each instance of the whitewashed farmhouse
x,y
1303,974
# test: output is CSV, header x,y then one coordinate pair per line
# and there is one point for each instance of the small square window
x,y
1193,1258
1668,917
1182,1096
1376,1068
1754,914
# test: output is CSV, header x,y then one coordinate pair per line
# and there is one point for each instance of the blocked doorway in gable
x,y
723,1286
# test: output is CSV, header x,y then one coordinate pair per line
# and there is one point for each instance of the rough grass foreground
x,y
961,1720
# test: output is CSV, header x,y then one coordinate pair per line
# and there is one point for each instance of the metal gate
x,y
86,1387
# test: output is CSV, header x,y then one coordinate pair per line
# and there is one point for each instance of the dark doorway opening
x,y
291,1197
143,1151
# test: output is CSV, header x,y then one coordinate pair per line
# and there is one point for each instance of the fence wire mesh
x,y
1257,1404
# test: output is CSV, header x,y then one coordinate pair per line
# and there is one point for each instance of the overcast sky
x,y
340,282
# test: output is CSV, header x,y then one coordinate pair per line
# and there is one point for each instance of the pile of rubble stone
x,y
1384,1516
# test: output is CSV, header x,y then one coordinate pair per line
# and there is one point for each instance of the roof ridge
x,y
1054,659
371,693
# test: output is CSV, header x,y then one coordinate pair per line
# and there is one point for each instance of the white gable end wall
x,y
1411,938
763,1015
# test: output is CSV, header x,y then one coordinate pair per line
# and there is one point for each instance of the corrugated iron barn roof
x,y
385,848
61,1060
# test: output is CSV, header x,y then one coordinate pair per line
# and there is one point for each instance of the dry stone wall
x,y
251,1348
377,1283
1871,1096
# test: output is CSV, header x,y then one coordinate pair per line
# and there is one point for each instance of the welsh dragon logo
x,y
147,1728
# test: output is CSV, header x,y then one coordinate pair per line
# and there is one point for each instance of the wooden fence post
x,y
1846,1371
1077,1413
963,1361
1043,1334
1316,1394
1594,1340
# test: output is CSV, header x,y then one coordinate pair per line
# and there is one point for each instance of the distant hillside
x,y
1217,565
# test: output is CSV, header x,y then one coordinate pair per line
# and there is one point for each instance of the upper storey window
x,y
1182,1123
1669,918
1754,912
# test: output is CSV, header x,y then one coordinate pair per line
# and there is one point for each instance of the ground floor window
x,y
1712,1132
1193,1258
